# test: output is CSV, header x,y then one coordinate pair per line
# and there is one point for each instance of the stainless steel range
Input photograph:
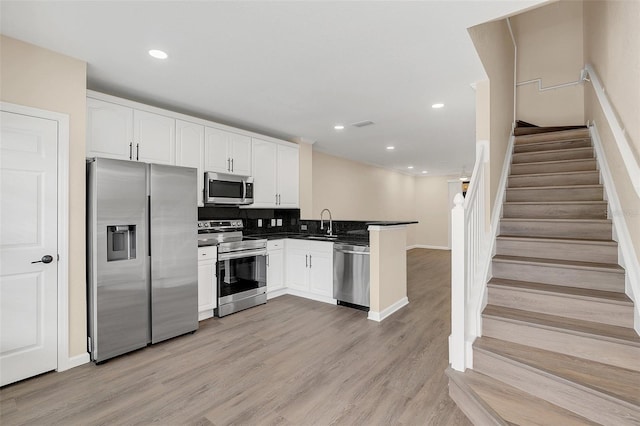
x,y
241,267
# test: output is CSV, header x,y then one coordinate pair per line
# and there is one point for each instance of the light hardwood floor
x,y
290,362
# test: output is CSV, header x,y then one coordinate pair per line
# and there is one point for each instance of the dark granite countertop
x,y
344,238
392,223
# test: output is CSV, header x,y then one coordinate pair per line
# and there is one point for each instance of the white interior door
x,y
28,233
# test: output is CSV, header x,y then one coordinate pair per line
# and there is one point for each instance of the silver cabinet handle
x,y
306,260
279,199
232,164
137,151
276,199
309,261
130,150
267,260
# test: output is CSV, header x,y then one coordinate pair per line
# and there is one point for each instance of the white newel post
x,y
457,339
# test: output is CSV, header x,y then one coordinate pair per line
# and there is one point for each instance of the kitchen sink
x,y
322,237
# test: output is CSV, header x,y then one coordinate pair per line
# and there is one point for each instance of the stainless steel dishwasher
x,y
351,275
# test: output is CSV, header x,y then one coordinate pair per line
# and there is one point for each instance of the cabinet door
x,y
109,130
240,150
275,270
297,269
155,138
264,174
216,155
321,273
206,286
288,176
190,151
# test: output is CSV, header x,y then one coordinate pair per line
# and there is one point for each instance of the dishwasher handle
x,y
363,253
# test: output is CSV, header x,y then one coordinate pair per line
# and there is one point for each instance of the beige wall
x,y
306,179
389,267
357,191
612,46
495,49
40,78
549,41
432,211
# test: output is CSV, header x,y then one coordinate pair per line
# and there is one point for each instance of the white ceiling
x,y
289,69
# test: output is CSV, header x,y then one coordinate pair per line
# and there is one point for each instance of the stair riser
x,y
534,157
582,401
471,408
571,166
562,306
558,250
584,178
546,137
591,231
555,211
570,277
568,194
561,341
549,146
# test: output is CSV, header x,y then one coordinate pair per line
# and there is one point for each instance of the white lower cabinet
x,y
309,269
275,268
207,283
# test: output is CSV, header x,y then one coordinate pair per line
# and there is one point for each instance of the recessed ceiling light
x,y
158,54
338,127
437,105
424,171
391,148
410,167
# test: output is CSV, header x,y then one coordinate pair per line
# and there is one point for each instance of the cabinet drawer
x,y
275,244
207,253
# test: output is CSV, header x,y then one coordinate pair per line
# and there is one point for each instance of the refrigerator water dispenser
x,y
121,242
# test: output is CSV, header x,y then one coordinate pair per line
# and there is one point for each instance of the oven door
x,y
241,275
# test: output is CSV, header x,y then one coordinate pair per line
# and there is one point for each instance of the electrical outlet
x,y
303,227
273,222
259,223
278,222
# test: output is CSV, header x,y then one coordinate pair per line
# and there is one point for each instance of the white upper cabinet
x,y
265,186
288,179
155,137
190,151
227,152
275,175
116,131
109,130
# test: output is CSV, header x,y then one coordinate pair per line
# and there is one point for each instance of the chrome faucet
x,y
330,230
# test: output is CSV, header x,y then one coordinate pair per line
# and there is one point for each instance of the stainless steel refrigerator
x,y
142,251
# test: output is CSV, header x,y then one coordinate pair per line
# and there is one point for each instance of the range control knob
x,y
199,225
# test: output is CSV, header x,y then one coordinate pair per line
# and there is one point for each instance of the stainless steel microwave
x,y
225,189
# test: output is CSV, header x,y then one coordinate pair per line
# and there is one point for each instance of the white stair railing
x,y
469,245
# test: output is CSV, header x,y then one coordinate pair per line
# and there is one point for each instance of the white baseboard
x,y
311,296
276,293
205,314
73,361
379,316
426,246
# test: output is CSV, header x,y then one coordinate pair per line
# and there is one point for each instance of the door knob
x,y
45,259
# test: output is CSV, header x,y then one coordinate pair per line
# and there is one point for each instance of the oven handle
x,y
243,253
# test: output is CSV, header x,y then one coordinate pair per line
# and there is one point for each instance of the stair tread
x,y
577,292
577,139
617,382
575,160
602,331
554,203
515,406
573,172
551,187
583,132
557,240
611,267
519,219
553,151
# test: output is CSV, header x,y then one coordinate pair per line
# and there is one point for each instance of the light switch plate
x,y
278,222
259,223
273,222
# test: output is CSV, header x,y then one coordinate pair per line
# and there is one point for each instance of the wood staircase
x,y
558,345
